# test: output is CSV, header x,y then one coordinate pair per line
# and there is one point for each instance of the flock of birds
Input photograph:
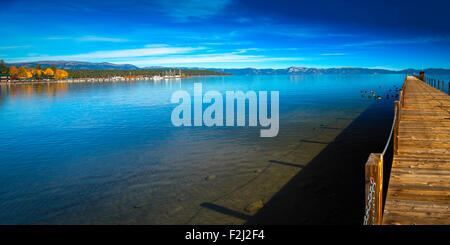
x,y
392,93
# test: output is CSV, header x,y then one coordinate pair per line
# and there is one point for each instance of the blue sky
x,y
229,33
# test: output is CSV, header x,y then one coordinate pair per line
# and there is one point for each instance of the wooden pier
x,y
419,183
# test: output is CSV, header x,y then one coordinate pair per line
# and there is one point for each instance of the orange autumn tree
x,y
13,72
23,73
49,72
37,72
29,74
61,74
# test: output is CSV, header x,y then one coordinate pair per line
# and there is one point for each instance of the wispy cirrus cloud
x,y
227,43
58,38
159,45
15,47
115,54
243,20
416,40
90,38
208,58
333,54
100,39
182,11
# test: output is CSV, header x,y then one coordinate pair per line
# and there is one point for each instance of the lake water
x,y
107,153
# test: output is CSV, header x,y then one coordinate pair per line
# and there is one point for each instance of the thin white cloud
x,y
58,38
161,54
207,58
243,20
90,38
227,43
156,45
100,39
418,40
245,50
187,9
15,47
332,54
114,54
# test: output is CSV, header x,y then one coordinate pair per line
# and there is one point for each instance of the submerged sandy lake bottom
x,y
107,153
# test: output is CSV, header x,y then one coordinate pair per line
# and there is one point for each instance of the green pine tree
x,y
3,67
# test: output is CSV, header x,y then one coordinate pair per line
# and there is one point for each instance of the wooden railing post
x,y
401,98
439,83
374,179
398,107
448,88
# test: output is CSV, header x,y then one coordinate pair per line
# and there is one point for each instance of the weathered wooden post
x,y
401,97
448,88
439,83
374,189
396,124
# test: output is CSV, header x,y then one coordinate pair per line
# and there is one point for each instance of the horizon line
x,y
218,67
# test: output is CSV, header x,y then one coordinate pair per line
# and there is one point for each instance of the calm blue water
x,y
107,153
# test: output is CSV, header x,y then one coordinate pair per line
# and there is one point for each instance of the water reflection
x,y
18,91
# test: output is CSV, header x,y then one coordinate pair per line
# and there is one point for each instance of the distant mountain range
x,y
320,71
76,65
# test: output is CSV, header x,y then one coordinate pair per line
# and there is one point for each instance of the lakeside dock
x,y
418,191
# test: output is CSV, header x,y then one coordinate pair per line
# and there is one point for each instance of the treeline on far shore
x,y
31,73
50,73
141,72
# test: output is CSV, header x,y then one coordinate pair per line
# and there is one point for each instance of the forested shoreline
x,y
142,72
23,73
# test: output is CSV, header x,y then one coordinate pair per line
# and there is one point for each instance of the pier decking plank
x,y
419,185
